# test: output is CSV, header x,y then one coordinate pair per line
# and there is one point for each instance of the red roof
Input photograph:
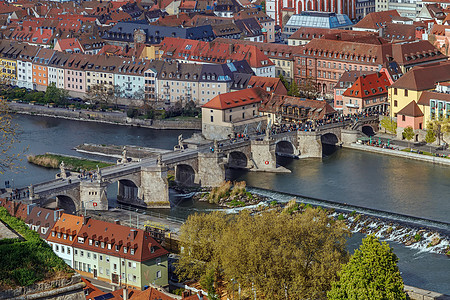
x,y
143,245
69,45
237,99
214,52
375,20
366,86
411,110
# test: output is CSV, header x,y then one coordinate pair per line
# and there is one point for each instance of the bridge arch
x,y
62,202
237,159
185,175
368,130
329,139
284,148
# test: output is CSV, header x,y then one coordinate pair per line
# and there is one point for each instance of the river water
x,y
347,176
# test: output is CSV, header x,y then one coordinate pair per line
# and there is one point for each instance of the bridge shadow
x,y
61,202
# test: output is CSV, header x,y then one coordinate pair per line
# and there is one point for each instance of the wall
x,y
402,100
98,116
61,289
409,121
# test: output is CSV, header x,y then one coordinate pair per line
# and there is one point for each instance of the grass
x,y
26,262
71,163
423,152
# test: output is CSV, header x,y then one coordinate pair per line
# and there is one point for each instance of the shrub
x,y
217,193
417,237
291,206
132,112
273,203
239,188
341,217
353,213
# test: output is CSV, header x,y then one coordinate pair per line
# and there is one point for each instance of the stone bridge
x,y
145,183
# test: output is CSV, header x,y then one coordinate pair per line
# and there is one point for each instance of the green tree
x,y
389,125
371,273
294,90
430,137
285,82
55,95
274,255
408,134
198,241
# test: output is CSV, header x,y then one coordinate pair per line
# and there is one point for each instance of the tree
x,y
408,134
55,95
287,85
308,88
198,240
371,273
294,90
101,93
389,125
275,255
9,139
430,137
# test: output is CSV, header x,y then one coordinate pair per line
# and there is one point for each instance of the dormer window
x,y
109,246
103,244
70,238
59,235
90,242
53,233
96,243
132,251
117,247
125,250
80,240
65,236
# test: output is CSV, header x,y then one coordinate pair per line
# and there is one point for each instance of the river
x,y
348,176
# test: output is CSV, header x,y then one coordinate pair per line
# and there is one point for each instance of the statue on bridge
x,y
63,170
31,191
180,145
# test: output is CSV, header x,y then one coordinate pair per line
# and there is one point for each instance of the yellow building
x,y
8,68
411,86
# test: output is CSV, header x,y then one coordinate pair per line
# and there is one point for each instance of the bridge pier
x,y
154,190
349,136
93,195
263,155
309,144
211,169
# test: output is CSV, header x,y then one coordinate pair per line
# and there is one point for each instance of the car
x,y
422,143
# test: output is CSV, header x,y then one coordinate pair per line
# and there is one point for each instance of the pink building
x,y
74,74
410,115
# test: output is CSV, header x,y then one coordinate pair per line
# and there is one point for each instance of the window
x,y
132,251
158,274
395,103
101,257
124,249
100,270
76,252
403,117
107,272
107,258
406,93
212,119
81,253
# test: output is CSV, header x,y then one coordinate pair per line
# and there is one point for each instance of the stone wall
x,y
60,289
119,118
155,187
419,294
309,144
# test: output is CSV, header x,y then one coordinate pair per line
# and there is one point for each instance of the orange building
x,y
40,68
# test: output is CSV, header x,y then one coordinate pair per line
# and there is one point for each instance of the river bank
x,y
399,153
114,117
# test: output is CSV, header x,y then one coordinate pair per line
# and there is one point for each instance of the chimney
x,y
125,294
57,214
200,295
186,293
134,233
117,222
85,220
